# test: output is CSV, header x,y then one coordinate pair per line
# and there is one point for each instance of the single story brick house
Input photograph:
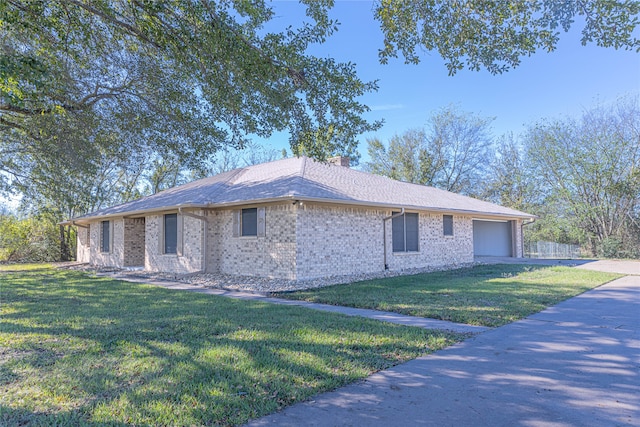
x,y
298,219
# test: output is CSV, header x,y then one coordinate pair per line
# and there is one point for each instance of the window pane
x,y
397,228
447,224
411,232
170,233
105,237
250,222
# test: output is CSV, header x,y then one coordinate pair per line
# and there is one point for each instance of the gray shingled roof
x,y
301,178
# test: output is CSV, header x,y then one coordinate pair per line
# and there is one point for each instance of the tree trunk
x,y
65,250
594,248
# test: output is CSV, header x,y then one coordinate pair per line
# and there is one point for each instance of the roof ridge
x,y
233,173
303,167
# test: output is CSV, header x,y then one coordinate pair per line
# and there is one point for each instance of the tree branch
x,y
130,28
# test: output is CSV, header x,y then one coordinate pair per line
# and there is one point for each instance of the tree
x,y
33,239
592,167
508,181
403,160
208,68
451,153
495,35
97,95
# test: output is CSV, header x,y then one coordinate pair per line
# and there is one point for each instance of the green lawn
x,y
80,350
488,295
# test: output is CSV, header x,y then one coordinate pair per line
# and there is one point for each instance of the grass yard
x,y
487,295
80,350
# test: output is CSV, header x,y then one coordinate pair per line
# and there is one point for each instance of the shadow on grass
x,y
105,351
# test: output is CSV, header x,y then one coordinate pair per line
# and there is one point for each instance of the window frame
x,y
251,229
239,230
105,243
400,223
447,225
165,249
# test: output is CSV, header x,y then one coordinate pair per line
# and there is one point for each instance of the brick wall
x,y
134,241
516,233
336,240
273,255
113,258
301,242
83,247
188,260
434,248
348,240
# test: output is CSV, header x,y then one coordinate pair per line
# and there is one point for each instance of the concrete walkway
x,y
385,316
574,364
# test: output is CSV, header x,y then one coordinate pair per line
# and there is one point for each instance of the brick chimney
x,y
340,161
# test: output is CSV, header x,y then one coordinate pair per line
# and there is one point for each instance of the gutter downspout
x,y
384,234
522,233
204,235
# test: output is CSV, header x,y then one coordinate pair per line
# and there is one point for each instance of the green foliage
x,y
488,295
33,239
508,182
588,170
79,350
450,153
495,35
93,92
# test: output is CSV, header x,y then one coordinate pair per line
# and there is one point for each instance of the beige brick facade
x,y
435,249
83,245
273,255
301,241
516,232
191,239
337,240
115,256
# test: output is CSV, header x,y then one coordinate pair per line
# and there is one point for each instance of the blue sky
x,y
546,85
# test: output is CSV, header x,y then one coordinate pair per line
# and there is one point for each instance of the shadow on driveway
x,y
574,364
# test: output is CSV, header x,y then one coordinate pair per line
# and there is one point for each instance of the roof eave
x,y
143,212
487,214
291,197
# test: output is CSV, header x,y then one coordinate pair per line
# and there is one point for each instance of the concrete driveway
x,y
574,364
607,265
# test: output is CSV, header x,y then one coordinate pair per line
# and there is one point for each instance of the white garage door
x,y
491,238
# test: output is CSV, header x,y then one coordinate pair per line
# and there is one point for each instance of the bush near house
x,y
32,239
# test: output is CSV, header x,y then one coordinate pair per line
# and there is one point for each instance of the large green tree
x,y
97,95
87,85
589,169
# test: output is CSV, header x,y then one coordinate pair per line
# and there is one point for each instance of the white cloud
x,y
386,107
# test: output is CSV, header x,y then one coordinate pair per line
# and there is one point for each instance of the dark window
x,y
104,236
397,226
171,233
405,232
411,232
447,225
249,222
